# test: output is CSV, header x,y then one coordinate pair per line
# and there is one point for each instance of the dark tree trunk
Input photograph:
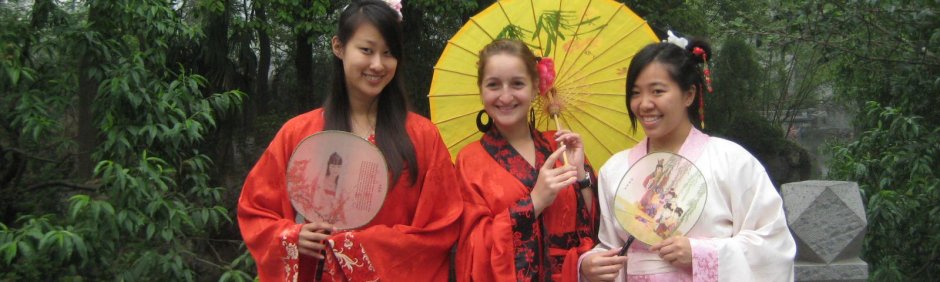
x,y
215,64
262,98
87,133
303,61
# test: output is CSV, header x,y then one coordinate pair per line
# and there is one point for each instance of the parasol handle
x,y
558,127
554,114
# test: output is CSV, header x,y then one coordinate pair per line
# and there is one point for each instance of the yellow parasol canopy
x,y
591,43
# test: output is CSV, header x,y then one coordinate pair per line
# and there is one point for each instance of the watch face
x,y
586,181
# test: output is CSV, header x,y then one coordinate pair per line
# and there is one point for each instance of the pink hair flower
x,y
396,5
546,69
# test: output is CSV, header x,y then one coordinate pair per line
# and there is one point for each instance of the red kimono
x,y
502,239
409,239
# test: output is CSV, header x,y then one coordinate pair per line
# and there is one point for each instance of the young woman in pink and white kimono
x,y
742,234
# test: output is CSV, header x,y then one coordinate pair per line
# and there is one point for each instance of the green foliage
x,y
304,16
895,163
740,85
32,105
445,9
39,248
896,155
235,270
737,82
151,207
429,24
683,17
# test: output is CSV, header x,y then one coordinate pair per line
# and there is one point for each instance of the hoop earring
x,y
484,127
532,117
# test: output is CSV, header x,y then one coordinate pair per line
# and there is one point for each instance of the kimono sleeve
x,y
609,235
491,236
762,247
265,216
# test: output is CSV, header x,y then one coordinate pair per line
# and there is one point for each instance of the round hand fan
x,y
662,195
338,178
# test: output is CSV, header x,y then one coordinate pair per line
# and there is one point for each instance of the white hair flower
x,y
679,41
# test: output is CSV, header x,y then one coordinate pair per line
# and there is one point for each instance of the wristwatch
x,y
585,182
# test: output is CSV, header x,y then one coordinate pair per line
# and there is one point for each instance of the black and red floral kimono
x,y
502,239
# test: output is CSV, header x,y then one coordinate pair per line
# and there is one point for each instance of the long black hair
x,y
684,67
391,136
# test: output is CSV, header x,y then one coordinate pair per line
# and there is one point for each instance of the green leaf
x,y
95,210
14,74
78,203
203,216
227,276
9,251
151,229
166,234
25,249
224,212
47,240
80,247
108,208
64,241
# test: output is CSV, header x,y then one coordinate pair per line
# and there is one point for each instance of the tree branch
x,y
897,37
840,48
31,156
91,188
197,258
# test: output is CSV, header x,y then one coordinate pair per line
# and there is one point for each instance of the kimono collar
x,y
503,153
691,149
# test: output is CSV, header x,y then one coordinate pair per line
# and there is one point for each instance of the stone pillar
x,y
828,221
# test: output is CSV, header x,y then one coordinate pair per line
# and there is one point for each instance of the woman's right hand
x,y
552,180
311,238
602,266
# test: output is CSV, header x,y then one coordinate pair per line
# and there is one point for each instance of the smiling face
x,y
507,91
660,105
368,63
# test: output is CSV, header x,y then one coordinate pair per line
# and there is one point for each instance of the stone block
x,y
848,270
827,220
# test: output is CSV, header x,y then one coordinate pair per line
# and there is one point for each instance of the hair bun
x,y
699,56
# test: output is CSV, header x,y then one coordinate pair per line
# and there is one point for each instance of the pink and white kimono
x,y
742,234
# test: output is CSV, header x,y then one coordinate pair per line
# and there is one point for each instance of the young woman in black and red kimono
x,y
527,214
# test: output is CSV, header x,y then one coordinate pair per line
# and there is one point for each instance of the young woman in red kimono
x,y
527,215
410,238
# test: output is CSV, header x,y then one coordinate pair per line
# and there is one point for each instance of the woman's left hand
x,y
676,251
574,151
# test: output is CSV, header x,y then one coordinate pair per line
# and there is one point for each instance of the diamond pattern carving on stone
x,y
827,219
